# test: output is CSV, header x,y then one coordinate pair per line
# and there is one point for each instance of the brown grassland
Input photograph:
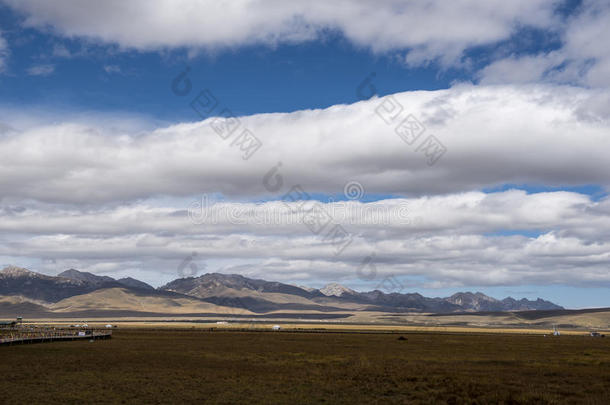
x,y
226,367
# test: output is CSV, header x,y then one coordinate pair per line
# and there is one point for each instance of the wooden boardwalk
x,y
14,337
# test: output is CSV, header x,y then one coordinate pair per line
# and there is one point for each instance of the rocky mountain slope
x,y
86,277
218,285
133,283
481,302
22,282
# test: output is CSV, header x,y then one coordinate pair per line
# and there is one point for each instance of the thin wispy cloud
x,y
4,53
41,70
61,51
112,69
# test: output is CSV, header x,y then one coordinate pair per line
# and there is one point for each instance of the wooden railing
x,y
38,335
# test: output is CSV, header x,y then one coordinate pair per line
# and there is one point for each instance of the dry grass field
x,y
198,366
291,325
568,321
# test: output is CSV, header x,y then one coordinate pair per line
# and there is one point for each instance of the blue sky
x,y
497,79
251,79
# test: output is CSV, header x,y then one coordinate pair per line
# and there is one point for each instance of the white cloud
x,y
493,135
583,58
430,29
525,69
457,240
41,70
585,43
472,212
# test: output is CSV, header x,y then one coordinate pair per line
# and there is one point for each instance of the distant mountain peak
x,y
214,284
336,290
78,275
15,271
511,304
472,296
133,283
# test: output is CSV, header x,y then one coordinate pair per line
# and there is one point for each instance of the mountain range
x,y
74,291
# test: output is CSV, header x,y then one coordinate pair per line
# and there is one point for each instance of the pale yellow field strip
x,y
155,323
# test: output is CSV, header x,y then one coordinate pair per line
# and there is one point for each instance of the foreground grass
x,y
162,366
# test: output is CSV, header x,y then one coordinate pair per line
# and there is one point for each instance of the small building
x,y
555,331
